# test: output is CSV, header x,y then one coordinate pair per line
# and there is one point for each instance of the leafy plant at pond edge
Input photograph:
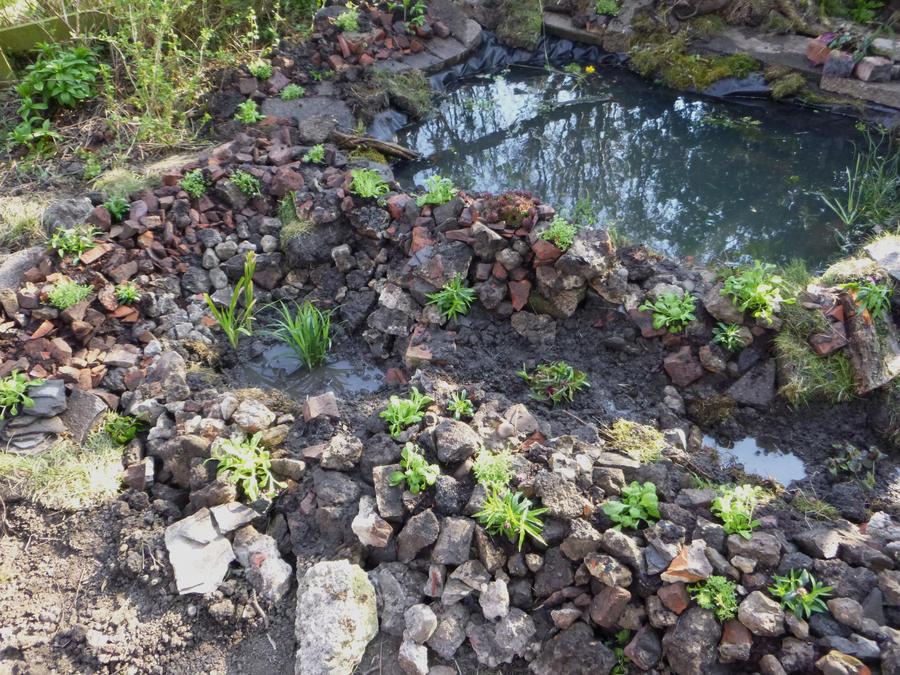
x,y
194,183
735,506
511,514
127,293
307,332
554,382
260,69
637,503
460,405
440,191
234,320
117,207
292,92
76,241
758,290
851,460
671,312
413,12
67,293
493,469
417,473
14,393
718,594
800,593
367,183
315,155
871,296
403,412
123,428
728,335
247,464
561,233
454,299
245,182
248,113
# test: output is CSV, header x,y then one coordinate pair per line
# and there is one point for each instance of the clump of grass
x,y
76,241
367,183
67,293
460,405
717,594
307,331
639,441
123,428
816,508
120,183
511,514
440,191
21,221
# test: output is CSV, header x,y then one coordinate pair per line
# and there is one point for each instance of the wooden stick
x,y
351,141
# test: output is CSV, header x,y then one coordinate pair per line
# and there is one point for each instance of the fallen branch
x,y
350,141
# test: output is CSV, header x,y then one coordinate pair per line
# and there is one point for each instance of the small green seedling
x,y
315,155
671,312
292,92
64,294
413,12
561,233
14,393
757,290
128,293
493,470
417,473
368,184
718,594
246,463
245,182
117,207
194,183
735,506
800,593
260,69
123,428
871,297
460,405
554,382
234,320
454,299
440,191
248,113
76,241
403,412
639,503
729,336
859,463
511,514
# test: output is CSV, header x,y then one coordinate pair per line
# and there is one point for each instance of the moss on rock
x,y
788,85
408,90
521,24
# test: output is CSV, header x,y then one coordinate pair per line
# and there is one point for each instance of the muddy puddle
x,y
761,459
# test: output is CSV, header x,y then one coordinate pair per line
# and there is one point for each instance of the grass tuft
x,y
21,222
119,183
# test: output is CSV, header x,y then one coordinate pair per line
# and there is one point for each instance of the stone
x,y
253,416
608,570
644,649
873,69
761,614
450,632
421,623
755,388
198,553
623,547
324,405
389,498
581,540
607,606
66,214
16,264
333,488
690,565
555,574
736,642
499,643
560,497
413,658
336,618
454,541
266,571
721,306
836,663
370,528
83,413
675,597
839,64
342,453
494,600
538,329
797,655
690,647
49,399
889,583
850,613
420,531
761,547
455,441
398,588
593,657
229,517
885,251
683,367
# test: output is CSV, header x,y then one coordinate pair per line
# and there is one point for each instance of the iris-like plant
x,y
513,515
871,297
247,464
367,183
671,312
460,405
801,593
417,472
307,332
75,241
128,293
235,320
67,293
440,191
403,412
14,393
554,382
638,503
735,506
454,299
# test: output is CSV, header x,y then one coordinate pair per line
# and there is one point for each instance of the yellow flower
x,y
590,69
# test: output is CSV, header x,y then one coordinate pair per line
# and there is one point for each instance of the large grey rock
x,y
456,441
690,647
49,399
559,496
761,614
757,387
336,618
721,306
886,252
253,416
574,651
198,553
454,541
13,267
84,411
66,213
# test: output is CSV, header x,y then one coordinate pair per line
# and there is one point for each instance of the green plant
x,y
75,241
617,645
800,593
641,442
493,469
670,311
811,506
511,514
871,296
123,428
402,412
245,182
440,191
260,69
417,473
561,233
454,299
246,463
865,11
718,594
728,335
194,183
757,289
554,382
128,293
349,19
234,320
307,332
367,183
460,405
64,294
247,112
638,503
292,92
608,7
413,12
735,506
859,463
117,207
14,393
315,155
850,208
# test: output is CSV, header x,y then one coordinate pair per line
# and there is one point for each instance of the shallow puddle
x,y
758,460
279,368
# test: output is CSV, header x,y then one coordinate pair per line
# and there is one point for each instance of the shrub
x,y
315,155
671,312
638,503
728,335
194,183
512,515
453,299
554,382
440,191
403,412
718,594
75,241
236,321
128,293
14,393
260,69
292,92
460,405
367,183
245,182
247,112
67,293
608,7
561,233
800,593
493,470
735,506
246,463
758,290
307,332
117,207
417,473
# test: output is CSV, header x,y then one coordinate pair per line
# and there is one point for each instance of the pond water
x,y
278,368
680,173
768,462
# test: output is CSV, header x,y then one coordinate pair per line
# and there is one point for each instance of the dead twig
x,y
575,417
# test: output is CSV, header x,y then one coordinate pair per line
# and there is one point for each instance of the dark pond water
x,y
682,174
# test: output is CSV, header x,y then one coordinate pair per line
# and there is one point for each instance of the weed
x,y
460,405
561,233
718,594
617,645
247,463
315,155
417,473
292,92
871,297
858,463
554,382
307,332
413,12
260,69
440,191
758,290
349,19
403,412
638,503
729,336
865,11
454,299
671,312
639,441
248,113
810,506
735,506
64,294
607,7
128,293
493,470
75,241
245,182
117,207
123,428
237,321
800,593
14,393
367,183
194,183
511,514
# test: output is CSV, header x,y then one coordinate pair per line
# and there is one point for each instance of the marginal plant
x,y
858,463
460,405
871,297
349,19
728,335
14,393
194,183
454,299
76,241
440,191
260,69
735,506
718,594
367,183
511,514
417,473
64,294
758,290
127,293
307,331
800,593
123,428
493,469
292,92
315,155
671,312
245,182
561,233
638,503
234,320
403,412
248,113
117,207
246,463
554,382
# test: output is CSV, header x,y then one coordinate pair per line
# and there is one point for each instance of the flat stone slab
x,y
304,108
778,50
199,554
561,26
882,93
886,252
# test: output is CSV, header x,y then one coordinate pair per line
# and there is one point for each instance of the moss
x,y
706,25
680,70
273,399
779,24
408,90
708,412
207,356
849,269
368,153
787,86
521,24
641,442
